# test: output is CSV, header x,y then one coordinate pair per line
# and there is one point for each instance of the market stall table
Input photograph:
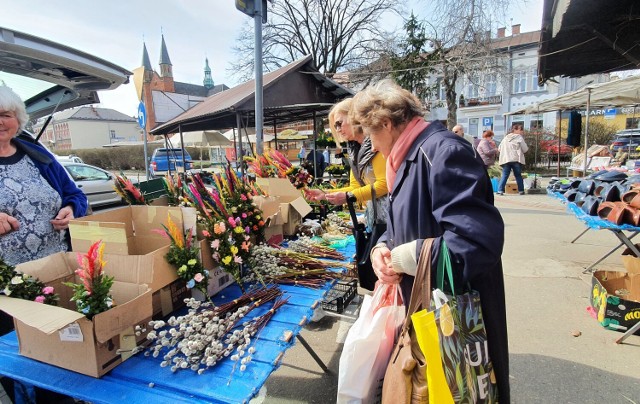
x,y
141,379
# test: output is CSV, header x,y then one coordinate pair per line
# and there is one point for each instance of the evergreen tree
x,y
411,65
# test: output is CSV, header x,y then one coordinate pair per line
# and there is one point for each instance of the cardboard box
x,y
511,188
616,311
63,337
293,207
218,278
169,298
273,229
630,261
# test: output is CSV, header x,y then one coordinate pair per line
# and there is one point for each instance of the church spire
x,y
166,69
208,81
146,63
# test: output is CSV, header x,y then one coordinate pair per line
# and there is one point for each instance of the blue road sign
x,y
142,115
487,121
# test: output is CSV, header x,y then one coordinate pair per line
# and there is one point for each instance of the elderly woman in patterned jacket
x,y
37,197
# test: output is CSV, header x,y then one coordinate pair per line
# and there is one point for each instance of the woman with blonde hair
x,y
367,180
438,189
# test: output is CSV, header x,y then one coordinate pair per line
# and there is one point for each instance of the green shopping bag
x,y
454,341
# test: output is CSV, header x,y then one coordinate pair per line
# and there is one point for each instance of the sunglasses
x,y
338,125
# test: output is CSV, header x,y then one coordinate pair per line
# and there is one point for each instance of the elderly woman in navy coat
x,y
438,188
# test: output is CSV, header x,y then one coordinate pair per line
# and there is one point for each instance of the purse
x,y
405,380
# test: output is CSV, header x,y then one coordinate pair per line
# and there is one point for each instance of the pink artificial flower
x,y
244,215
247,230
206,233
237,259
40,299
243,197
198,277
47,290
215,244
232,222
237,220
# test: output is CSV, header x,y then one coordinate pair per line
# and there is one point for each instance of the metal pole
x,y
559,136
146,154
239,139
257,20
586,131
315,137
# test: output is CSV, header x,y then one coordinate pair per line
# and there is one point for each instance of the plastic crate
x,y
340,295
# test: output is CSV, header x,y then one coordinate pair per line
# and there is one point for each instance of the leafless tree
x,y
339,34
459,31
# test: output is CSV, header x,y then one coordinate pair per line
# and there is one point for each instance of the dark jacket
x,y
442,190
55,175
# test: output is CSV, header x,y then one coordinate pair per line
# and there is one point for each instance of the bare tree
x,y
339,34
459,32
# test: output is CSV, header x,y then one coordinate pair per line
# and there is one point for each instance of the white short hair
x,y
10,101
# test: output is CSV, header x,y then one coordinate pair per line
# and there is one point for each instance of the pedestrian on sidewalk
x,y
487,149
512,150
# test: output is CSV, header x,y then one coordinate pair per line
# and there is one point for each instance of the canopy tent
x,y
614,93
199,139
581,37
292,93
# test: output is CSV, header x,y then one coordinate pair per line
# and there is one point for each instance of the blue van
x,y
164,160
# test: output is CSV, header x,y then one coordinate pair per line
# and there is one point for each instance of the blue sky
x,y
193,29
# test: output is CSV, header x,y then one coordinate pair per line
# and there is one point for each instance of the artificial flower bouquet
x,y
22,286
299,177
93,295
184,255
128,191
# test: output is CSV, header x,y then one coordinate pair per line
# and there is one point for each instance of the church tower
x,y
146,63
166,69
208,81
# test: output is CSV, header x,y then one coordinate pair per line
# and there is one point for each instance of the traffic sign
x,y
142,115
487,121
248,7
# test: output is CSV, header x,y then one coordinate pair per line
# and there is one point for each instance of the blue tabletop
x,y
141,379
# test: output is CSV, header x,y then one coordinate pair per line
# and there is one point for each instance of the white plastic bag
x,y
368,346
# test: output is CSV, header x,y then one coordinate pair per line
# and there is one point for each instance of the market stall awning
x,y
201,138
293,93
581,37
614,93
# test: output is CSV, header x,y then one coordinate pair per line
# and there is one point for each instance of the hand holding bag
x,y
405,379
368,345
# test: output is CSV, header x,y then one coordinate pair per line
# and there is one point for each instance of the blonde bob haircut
x,y
342,107
383,100
10,101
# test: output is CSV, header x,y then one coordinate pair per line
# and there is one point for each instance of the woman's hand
x,y
62,219
8,224
382,267
337,198
314,194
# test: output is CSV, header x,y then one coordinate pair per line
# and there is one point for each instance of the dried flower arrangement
x,y
23,286
92,295
206,335
184,255
128,191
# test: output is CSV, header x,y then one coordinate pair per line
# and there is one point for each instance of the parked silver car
x,y
97,184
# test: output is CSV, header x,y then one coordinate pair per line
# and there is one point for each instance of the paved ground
x,y
547,298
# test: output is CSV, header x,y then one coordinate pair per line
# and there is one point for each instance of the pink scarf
x,y
401,148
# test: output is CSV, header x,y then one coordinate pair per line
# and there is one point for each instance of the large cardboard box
x,y
630,261
218,278
131,231
616,298
63,337
293,207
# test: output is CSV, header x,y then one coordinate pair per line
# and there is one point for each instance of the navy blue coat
x,y
442,190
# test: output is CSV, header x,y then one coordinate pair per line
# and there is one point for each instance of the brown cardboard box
x,y
270,206
630,261
218,279
616,298
511,188
63,337
293,207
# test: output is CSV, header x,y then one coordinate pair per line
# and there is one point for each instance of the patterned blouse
x,y
27,196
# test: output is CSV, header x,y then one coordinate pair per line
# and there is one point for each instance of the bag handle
x,y
421,290
444,265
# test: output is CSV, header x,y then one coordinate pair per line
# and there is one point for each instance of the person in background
x,y
303,153
327,156
459,130
487,148
438,189
512,150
